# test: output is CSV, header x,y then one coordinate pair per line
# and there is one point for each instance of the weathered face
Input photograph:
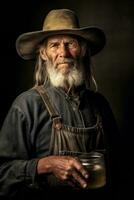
x,y
63,56
61,50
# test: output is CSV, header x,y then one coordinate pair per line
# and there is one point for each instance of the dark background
x,y
113,67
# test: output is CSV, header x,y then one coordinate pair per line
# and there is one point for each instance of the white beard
x,y
73,78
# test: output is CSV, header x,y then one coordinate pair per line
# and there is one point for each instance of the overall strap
x,y
43,93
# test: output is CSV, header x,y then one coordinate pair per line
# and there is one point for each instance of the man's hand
x,y
65,168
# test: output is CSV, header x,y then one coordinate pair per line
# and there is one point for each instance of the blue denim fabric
x,y
26,131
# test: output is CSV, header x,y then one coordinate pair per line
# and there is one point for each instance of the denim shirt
x,y
26,131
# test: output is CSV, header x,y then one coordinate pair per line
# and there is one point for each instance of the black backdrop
x,y
113,67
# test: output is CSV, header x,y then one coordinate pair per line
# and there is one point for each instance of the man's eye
x,y
72,44
54,45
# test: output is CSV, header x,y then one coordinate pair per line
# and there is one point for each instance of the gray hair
x,y
40,73
41,76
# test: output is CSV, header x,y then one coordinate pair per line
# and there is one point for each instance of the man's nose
x,y
64,51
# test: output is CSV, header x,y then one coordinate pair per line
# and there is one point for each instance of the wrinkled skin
x,y
65,168
59,49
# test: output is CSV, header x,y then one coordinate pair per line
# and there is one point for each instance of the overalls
x,y
68,140
72,141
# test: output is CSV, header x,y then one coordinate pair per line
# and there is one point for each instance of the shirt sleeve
x,y
16,169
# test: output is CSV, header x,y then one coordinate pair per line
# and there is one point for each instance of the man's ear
x,y
43,53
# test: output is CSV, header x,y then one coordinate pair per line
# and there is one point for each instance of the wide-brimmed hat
x,y
59,21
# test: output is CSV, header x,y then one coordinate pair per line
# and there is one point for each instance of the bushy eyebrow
x,y
57,42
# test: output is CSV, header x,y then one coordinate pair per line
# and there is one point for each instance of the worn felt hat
x,y
59,21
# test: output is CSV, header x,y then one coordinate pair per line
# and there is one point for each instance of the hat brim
x,y
28,43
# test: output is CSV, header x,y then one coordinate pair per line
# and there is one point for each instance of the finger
x,y
67,177
77,177
67,174
81,169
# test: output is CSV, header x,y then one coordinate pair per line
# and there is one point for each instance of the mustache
x,y
66,60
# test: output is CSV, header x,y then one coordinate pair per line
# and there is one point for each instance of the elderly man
x,y
52,124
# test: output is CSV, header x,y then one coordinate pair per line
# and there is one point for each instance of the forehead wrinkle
x,y
61,37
